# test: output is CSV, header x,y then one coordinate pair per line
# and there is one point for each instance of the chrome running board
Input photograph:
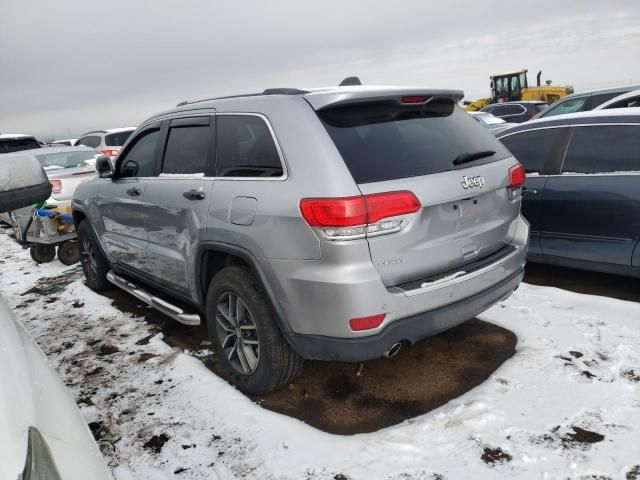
x,y
153,301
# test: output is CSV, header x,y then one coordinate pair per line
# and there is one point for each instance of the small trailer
x,y
43,230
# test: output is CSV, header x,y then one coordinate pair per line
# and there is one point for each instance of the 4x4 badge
x,y
473,182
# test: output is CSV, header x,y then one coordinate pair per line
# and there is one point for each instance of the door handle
x,y
528,191
133,192
193,195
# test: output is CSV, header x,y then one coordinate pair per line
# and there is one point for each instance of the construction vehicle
x,y
514,87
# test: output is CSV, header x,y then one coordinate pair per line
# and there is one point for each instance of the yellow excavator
x,y
513,87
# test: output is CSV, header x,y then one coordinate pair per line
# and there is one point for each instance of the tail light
x,y
355,217
516,181
56,186
109,152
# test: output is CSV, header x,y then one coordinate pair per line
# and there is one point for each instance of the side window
x,y
187,149
603,97
533,148
626,103
569,106
503,110
601,149
246,148
90,141
140,159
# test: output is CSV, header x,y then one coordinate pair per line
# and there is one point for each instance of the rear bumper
x,y
405,330
318,297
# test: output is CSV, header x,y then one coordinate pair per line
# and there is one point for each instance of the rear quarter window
x,y
382,141
602,149
597,100
117,139
245,148
534,147
92,141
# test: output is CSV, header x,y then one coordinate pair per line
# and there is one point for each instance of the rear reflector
x,y
366,323
516,176
56,186
414,99
359,210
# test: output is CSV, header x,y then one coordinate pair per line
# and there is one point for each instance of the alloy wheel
x,y
88,259
237,333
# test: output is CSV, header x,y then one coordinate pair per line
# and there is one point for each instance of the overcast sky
x,y
69,66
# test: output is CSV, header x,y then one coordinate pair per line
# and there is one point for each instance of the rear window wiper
x,y
467,157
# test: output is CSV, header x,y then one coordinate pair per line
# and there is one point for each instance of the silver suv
x,y
328,224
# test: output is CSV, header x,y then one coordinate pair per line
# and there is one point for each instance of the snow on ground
x,y
567,405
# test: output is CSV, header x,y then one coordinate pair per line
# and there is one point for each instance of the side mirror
x,y
23,182
104,167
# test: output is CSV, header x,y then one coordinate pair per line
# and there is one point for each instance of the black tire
x,y
43,253
94,265
69,252
277,363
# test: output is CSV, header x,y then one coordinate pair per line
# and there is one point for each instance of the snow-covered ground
x,y
567,405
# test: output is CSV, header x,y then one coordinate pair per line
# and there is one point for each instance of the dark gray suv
x,y
330,224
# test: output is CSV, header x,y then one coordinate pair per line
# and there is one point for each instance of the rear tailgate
x,y
466,207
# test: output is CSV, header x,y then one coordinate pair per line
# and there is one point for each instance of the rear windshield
x,y
60,160
382,141
117,139
18,144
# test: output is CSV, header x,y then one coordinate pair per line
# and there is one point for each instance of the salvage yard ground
x,y
556,376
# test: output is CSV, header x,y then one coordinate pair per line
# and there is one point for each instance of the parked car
x,y
66,168
582,195
334,224
108,142
626,100
491,122
41,429
515,112
15,142
42,434
584,101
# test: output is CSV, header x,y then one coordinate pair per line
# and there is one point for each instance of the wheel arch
x,y
213,256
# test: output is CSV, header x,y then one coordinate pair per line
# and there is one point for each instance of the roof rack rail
x,y
268,91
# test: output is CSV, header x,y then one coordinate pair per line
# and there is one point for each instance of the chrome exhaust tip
x,y
393,350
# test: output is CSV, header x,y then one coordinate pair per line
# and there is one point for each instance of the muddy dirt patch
x,y
51,285
494,455
348,398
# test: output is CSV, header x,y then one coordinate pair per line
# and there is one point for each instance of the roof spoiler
x,y
334,98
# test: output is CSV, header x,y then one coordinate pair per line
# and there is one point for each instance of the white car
x,y
66,168
42,434
626,100
107,141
